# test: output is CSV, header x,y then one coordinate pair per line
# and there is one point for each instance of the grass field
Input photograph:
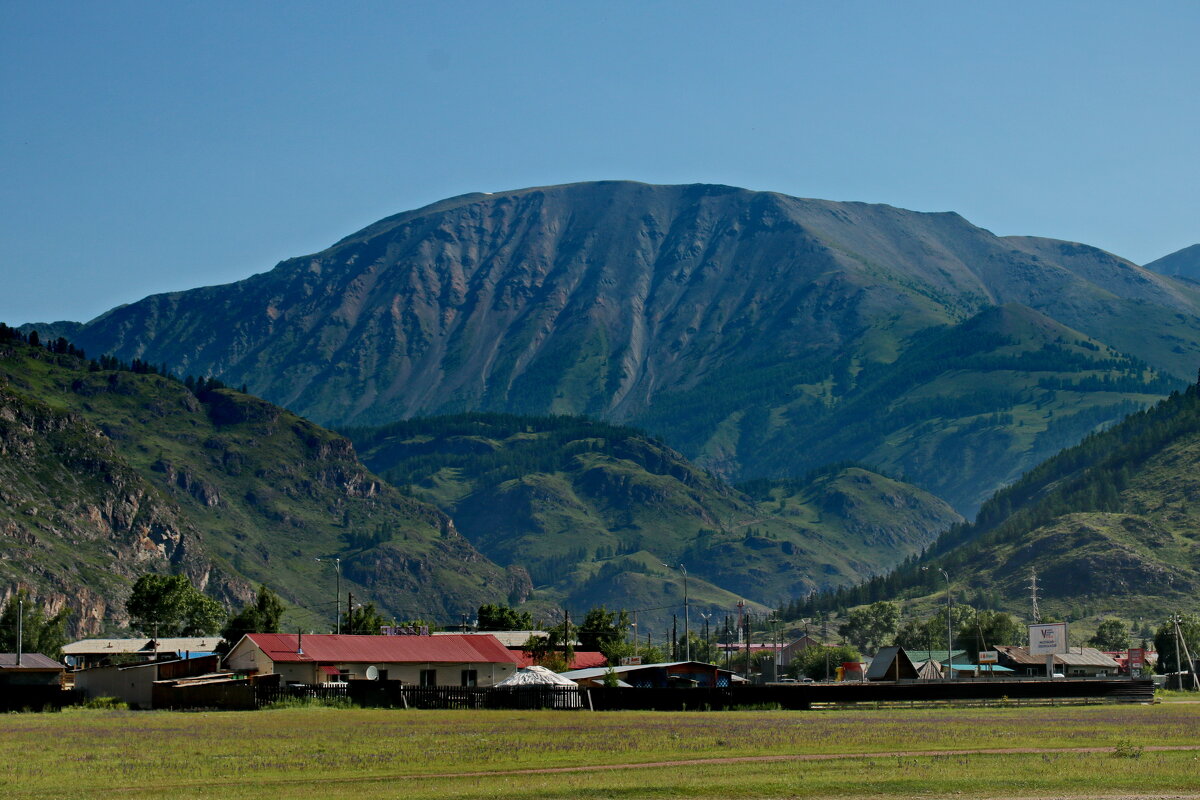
x,y
363,754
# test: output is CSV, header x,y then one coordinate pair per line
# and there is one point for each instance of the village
x,y
413,667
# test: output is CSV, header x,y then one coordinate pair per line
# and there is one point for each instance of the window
x,y
429,677
470,677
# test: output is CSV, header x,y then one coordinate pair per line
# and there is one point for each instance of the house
x,y
1080,662
134,683
669,674
451,660
87,653
892,664
30,669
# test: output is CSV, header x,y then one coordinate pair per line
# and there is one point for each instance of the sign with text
x,y
1048,638
989,657
1137,658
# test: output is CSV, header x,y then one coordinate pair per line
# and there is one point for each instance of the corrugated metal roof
x,y
940,656
345,648
1090,657
595,672
28,661
581,660
174,644
510,639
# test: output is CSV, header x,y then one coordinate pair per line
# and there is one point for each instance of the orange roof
x,y
333,648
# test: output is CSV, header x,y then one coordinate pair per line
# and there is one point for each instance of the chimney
x,y
299,642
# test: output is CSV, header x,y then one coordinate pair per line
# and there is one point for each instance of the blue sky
x,y
149,146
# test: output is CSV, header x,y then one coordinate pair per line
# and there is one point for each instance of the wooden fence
x,y
393,694
37,698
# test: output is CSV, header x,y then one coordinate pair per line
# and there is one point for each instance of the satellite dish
x,y
372,673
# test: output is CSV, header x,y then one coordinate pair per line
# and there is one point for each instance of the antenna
x,y
372,673
1033,587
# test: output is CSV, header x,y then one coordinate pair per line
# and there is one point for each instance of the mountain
x,y
109,471
736,325
594,511
1183,263
1109,526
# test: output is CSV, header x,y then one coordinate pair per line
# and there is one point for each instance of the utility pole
x,y
20,627
824,641
1033,595
686,622
674,637
337,592
350,611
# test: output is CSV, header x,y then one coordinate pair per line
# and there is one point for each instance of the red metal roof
x,y
329,648
584,659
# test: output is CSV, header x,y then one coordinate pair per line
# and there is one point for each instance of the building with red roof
x,y
462,660
580,659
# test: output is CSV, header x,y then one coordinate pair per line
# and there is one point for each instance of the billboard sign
x,y
1048,638
989,657
1137,658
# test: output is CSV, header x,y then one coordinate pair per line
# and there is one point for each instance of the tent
x,y
535,676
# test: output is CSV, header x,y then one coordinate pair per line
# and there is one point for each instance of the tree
x,y
812,662
983,630
363,620
930,633
261,616
1113,634
496,617
556,650
39,633
1164,642
169,605
605,631
870,626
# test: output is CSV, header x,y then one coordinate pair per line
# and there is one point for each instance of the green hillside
x,y
760,335
1110,526
108,471
593,511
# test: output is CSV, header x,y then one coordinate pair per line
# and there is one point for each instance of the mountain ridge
x,y
628,301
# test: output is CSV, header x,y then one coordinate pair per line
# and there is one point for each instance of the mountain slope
x,y
1183,263
1109,526
727,321
582,504
108,473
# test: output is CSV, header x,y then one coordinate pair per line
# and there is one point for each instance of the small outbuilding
x,y
892,664
30,669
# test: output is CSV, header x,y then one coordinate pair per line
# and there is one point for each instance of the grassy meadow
x,y
362,754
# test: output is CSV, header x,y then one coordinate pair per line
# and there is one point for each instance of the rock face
x,y
733,323
107,474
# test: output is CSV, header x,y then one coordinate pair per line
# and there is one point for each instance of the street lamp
x,y
687,640
949,624
337,597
